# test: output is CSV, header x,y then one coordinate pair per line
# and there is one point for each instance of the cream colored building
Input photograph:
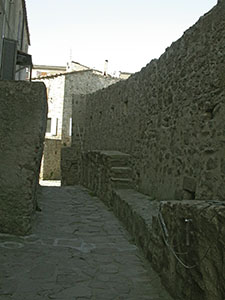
x,y
62,88
45,70
124,75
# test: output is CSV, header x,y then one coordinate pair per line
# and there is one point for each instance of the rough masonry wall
x,y
77,86
187,249
170,116
184,240
23,116
70,158
80,83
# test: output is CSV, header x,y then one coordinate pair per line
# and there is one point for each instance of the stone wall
x,y
76,84
184,240
185,245
187,248
170,119
23,122
102,171
170,116
50,166
70,158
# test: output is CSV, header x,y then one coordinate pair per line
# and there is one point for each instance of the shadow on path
x,y
77,250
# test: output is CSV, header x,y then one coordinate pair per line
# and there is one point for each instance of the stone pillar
x,y
23,115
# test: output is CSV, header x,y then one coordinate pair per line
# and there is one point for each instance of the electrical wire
x,y
165,235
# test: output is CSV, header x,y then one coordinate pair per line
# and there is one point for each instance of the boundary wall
x,y
169,117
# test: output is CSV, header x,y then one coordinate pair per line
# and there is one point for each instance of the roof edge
x,y
26,20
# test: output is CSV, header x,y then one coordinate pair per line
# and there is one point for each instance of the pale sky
x,y
128,33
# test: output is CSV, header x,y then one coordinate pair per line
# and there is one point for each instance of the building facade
x,y
44,70
14,40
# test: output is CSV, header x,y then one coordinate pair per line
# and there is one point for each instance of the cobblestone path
x,y
77,250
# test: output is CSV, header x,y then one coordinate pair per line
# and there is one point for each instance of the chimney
x,y
106,68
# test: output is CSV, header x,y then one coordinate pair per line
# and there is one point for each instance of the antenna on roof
x,y
71,54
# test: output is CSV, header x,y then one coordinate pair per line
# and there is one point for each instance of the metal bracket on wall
x,y
25,60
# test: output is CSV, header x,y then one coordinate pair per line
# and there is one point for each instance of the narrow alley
x,y
77,250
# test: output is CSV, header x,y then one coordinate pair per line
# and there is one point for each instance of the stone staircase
x,y
105,171
121,178
120,171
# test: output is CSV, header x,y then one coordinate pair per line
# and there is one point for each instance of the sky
x,y
128,33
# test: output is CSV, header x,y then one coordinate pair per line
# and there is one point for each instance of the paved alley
x,y
77,250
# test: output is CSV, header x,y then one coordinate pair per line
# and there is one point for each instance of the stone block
x,y
23,116
189,184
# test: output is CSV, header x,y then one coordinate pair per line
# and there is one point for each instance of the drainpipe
x,y
21,40
22,33
3,5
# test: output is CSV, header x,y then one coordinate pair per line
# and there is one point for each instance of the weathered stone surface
x,y
189,184
196,237
77,250
50,167
70,158
76,85
193,232
22,127
170,116
97,172
183,240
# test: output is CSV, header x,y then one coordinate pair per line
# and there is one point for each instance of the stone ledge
x,y
140,216
136,211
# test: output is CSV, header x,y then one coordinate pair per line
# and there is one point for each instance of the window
x,y
70,127
49,123
9,51
54,127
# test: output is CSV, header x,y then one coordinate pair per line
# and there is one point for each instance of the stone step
x,y
121,172
122,183
116,158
